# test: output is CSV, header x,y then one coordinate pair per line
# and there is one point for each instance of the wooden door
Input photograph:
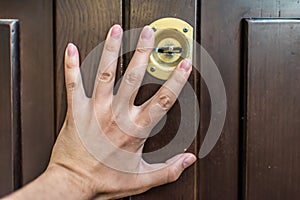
x,y
255,45
27,91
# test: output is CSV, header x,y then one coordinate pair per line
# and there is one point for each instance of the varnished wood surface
x,y
140,14
272,115
10,143
85,23
37,80
221,173
79,22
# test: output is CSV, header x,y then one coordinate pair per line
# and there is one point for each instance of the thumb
x,y
169,171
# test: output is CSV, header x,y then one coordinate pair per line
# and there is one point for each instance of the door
x,y
27,90
255,45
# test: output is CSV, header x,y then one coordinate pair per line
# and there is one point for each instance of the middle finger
x,y
136,69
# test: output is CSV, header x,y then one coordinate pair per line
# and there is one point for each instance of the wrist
x,y
68,184
57,182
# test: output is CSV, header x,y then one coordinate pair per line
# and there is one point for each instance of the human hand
x,y
106,133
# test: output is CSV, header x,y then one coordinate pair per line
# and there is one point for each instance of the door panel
x,y
221,172
10,143
272,110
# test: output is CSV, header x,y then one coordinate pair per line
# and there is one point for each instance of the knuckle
x,y
144,122
173,174
143,50
127,142
105,77
110,48
71,63
71,86
132,78
111,125
179,78
120,139
165,102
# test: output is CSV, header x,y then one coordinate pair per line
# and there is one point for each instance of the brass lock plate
x,y
173,43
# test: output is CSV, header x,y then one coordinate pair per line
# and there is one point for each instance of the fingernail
x,y
147,33
71,50
185,65
189,161
116,32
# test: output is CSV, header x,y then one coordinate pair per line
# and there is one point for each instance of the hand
x,y
99,149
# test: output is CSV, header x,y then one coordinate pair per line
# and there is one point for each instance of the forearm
x,y
55,183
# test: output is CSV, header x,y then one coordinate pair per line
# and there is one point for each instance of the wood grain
x,y
37,80
10,134
272,115
85,23
272,153
140,14
221,173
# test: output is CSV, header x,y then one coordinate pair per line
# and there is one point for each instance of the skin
x,y
73,172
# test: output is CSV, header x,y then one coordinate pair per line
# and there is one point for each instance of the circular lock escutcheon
x,y
173,43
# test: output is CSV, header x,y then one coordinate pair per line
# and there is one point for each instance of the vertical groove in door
x,y
243,112
126,26
55,83
125,58
197,87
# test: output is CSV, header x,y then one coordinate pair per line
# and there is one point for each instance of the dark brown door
x,y
255,45
27,90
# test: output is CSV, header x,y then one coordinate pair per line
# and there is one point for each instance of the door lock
x,y
173,43
169,50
